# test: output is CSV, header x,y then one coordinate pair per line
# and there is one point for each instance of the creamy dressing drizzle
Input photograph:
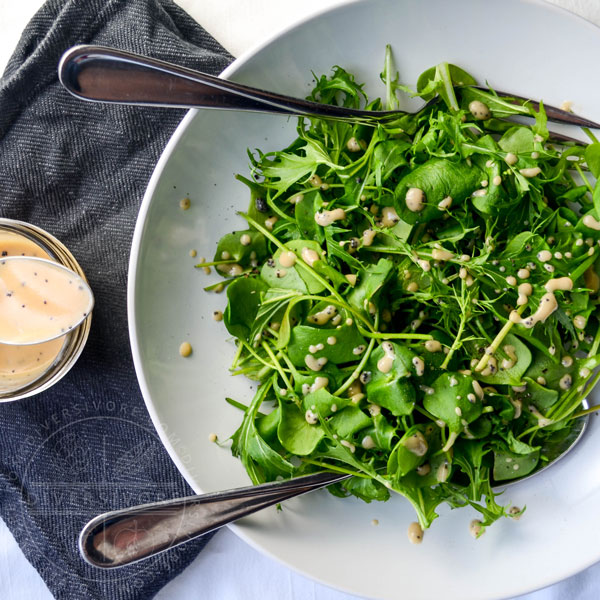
x,y
476,528
445,204
355,388
232,269
433,346
530,172
270,222
424,264
324,316
479,110
311,417
525,290
416,443
368,236
315,364
478,389
419,366
310,257
423,469
564,284
443,472
367,442
327,217
491,368
389,216
415,199
415,533
591,222
544,255
385,364
374,409
542,421
319,383
287,259
441,254
518,405
548,305
566,361
348,445
511,361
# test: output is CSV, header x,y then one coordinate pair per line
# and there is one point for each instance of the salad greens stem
x,y
250,350
456,342
493,347
356,373
330,467
277,365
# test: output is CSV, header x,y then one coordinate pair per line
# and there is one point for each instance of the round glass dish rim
x,y
75,340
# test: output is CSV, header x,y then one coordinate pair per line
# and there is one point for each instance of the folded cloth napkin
x,y
79,170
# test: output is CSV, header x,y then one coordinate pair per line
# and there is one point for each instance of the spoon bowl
x,y
40,300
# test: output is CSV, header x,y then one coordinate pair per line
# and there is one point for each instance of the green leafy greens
x,y
417,298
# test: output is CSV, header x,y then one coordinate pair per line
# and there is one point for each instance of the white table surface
x,y
229,569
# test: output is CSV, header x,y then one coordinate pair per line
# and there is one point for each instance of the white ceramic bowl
x,y
527,47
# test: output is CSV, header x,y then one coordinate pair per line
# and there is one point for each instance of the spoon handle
x,y
121,537
109,75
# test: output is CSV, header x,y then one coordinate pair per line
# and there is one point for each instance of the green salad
x,y
416,298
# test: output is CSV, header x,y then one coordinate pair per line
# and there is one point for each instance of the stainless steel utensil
x,y
104,74
121,537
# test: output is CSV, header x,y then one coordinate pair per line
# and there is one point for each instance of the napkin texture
x,y
79,171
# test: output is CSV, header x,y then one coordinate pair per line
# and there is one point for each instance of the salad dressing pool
x,y
25,312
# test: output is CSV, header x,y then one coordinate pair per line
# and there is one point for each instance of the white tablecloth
x,y
228,569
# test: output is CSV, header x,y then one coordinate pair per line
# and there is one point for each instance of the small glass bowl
x,y
74,340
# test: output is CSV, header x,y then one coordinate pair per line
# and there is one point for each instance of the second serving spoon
x,y
121,537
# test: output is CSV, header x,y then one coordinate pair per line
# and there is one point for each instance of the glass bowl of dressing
x,y
30,369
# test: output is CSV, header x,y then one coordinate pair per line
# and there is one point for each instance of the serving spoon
x,y
40,300
121,537
102,74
